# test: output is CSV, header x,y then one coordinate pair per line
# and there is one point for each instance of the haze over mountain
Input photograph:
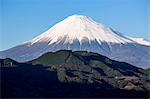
x,y
79,32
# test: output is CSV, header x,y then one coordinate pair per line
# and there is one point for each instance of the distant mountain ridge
x,y
81,33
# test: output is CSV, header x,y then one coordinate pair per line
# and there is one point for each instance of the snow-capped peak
x,y
81,33
79,27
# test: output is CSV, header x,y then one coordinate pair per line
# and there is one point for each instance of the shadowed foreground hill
x,y
72,74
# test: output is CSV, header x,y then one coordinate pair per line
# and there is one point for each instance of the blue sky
x,y
21,20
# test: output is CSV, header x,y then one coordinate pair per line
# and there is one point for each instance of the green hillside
x,y
88,67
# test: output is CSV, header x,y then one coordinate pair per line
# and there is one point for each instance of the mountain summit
x,y
79,32
80,28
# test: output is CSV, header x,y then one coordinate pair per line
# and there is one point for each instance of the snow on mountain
x,y
79,27
140,41
79,32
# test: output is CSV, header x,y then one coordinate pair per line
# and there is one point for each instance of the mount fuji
x,y
79,32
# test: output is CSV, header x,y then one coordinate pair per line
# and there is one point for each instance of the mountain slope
x,y
140,41
84,60
27,81
85,67
88,68
72,74
81,33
